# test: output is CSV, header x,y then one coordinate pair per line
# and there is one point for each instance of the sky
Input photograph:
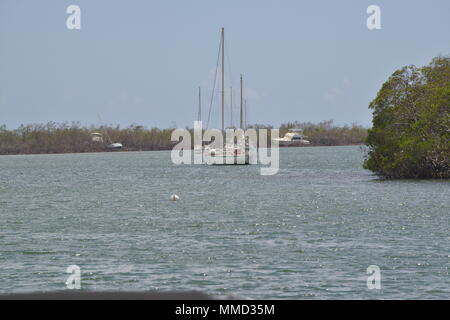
x,y
143,61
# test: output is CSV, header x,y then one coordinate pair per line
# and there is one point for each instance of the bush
x,y
410,137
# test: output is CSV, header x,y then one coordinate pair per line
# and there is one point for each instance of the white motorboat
x,y
114,146
98,137
294,137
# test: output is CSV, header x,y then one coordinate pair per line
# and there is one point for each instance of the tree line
x,y
75,138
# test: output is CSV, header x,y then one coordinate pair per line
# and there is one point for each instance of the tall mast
x,y
199,116
223,79
241,124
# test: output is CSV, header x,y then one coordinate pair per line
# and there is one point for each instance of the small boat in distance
x,y
98,138
115,145
294,137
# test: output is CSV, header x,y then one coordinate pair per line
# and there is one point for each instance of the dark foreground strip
x,y
197,305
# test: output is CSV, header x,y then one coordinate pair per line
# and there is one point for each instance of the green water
x,y
310,231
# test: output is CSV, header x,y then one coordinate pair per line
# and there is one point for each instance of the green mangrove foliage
x,y
410,137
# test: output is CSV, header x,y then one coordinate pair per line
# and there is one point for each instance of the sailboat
x,y
229,153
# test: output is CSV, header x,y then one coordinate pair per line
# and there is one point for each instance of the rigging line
x,y
214,85
229,65
227,55
230,78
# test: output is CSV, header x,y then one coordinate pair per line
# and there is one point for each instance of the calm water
x,y
310,231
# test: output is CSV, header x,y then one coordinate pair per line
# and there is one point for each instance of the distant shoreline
x,y
61,138
159,150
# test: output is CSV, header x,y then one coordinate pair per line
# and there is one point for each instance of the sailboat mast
x,y
223,79
241,124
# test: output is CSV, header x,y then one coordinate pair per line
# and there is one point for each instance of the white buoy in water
x,y
174,197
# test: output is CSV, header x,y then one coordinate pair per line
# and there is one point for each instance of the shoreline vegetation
x,y
54,138
410,136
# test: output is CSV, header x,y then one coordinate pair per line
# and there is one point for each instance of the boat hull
x,y
224,160
293,143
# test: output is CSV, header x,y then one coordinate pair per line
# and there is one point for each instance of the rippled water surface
x,y
310,231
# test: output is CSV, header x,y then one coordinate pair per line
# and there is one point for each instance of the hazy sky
x,y
142,61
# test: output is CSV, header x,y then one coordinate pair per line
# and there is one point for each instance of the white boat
x,y
114,146
294,137
230,154
98,137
